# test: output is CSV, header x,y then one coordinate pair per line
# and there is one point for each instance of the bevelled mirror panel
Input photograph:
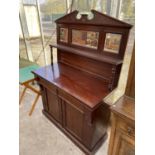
x,y
112,42
85,38
64,34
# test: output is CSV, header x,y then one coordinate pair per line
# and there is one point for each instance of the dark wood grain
x,y
71,114
99,19
80,85
100,69
103,67
100,23
86,53
73,88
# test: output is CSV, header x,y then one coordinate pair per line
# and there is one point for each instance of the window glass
x,y
22,47
99,5
50,10
127,11
32,20
112,42
85,38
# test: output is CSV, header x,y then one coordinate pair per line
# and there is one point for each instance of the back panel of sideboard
x,y
108,72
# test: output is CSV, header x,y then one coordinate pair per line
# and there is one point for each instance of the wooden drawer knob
x,y
130,130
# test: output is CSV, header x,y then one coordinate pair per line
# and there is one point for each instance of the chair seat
x,y
25,74
25,77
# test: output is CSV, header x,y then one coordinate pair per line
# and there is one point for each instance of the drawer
x,y
65,96
48,85
128,128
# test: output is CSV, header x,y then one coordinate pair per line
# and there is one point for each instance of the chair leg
x,y
34,104
20,100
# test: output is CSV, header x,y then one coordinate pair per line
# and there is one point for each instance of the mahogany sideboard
x,y
73,88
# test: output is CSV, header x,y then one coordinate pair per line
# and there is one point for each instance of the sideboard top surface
x,y
84,87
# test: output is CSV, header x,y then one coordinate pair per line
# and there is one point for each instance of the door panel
x,y
54,105
74,118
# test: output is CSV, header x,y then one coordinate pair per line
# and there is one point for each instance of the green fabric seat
x,y
25,74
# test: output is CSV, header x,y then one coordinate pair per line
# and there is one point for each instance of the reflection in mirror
x,y
85,38
112,42
64,34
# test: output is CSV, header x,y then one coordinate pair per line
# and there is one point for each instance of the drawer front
x,y
48,85
123,144
65,96
127,127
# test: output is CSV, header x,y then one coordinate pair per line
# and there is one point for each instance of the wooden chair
x,y
25,78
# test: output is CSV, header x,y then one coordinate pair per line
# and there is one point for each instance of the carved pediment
x,y
98,19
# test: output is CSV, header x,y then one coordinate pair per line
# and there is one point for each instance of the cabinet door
x,y
124,144
73,119
54,106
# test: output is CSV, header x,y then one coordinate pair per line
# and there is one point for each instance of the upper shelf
x,y
93,55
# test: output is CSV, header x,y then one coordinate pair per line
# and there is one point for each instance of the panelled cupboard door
x,y
123,144
54,105
73,119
